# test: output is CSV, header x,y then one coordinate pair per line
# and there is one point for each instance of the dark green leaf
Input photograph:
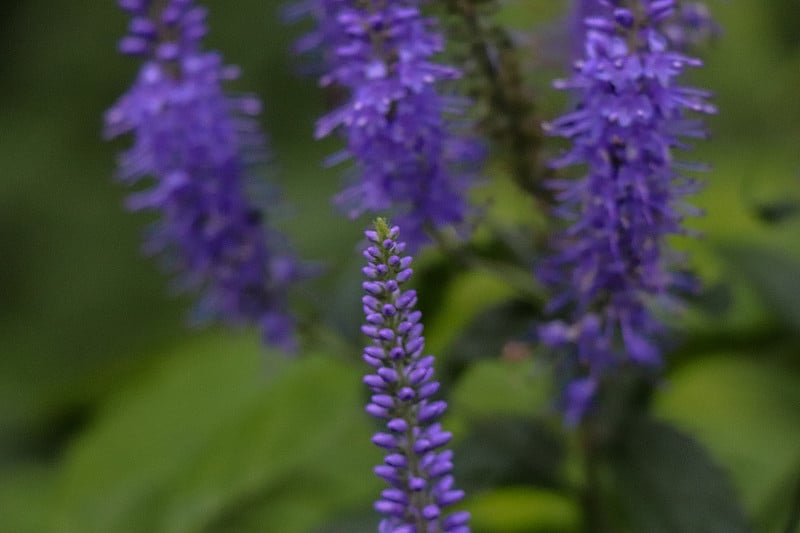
x,y
667,483
488,333
777,211
716,299
466,304
774,274
747,413
509,450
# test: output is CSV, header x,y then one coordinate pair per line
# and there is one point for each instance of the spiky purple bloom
x,y
613,265
416,468
690,24
408,157
324,36
195,143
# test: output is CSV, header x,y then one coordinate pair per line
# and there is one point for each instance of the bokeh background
x,y
116,418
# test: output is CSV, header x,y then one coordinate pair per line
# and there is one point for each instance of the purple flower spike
x,y
416,467
195,143
613,264
687,24
408,157
691,25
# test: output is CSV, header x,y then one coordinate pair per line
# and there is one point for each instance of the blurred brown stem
x,y
511,120
591,499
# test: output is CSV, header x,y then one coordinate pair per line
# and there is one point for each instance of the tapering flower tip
x,y
411,159
165,30
577,400
659,10
416,467
685,25
196,143
613,265
691,25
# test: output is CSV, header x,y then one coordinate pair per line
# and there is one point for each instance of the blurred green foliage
x,y
114,418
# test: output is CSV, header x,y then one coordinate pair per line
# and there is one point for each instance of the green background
x,y
115,418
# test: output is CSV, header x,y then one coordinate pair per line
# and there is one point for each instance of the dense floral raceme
x,y
613,267
195,143
401,130
416,468
689,25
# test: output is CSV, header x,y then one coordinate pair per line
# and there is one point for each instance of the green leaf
x,y
774,276
522,510
151,430
205,442
499,387
467,295
747,413
25,498
487,336
305,439
364,521
509,450
298,504
667,482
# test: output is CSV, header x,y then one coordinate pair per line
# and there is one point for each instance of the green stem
x,y
591,498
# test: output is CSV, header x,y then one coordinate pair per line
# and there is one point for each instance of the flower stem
x,y
511,119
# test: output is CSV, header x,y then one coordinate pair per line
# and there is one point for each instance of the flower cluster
x,y
196,142
613,265
408,157
688,25
323,38
402,384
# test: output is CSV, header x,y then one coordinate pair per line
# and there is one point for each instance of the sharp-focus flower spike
x,y
400,128
613,263
416,466
195,142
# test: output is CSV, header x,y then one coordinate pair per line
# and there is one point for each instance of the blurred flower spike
x,y
403,132
196,143
613,266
